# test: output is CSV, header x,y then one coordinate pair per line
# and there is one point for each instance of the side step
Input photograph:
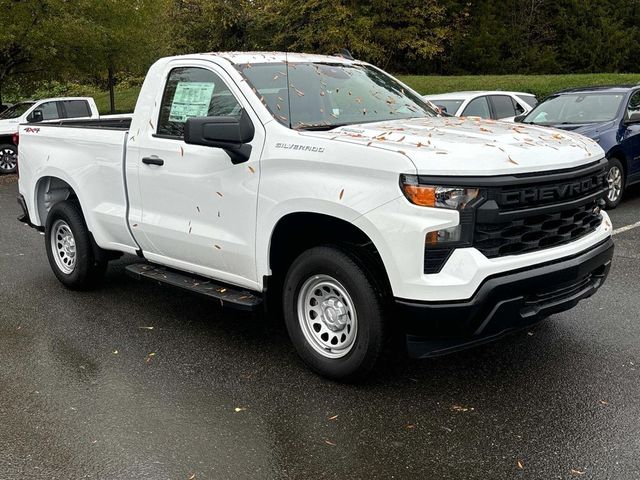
x,y
234,297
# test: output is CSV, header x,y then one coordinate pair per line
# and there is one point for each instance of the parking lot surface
x,y
135,380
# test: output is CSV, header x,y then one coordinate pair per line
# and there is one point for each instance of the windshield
x,y
449,106
16,111
576,108
325,96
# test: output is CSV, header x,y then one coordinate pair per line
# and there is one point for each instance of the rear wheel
x,y
74,258
334,313
616,182
8,158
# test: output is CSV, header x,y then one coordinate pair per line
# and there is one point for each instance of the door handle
x,y
153,161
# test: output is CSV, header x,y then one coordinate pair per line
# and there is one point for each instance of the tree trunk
x,y
112,94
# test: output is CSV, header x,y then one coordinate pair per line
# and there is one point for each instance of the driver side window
x,y
478,107
193,92
633,109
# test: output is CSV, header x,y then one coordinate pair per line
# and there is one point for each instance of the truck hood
x,y
470,146
9,126
591,130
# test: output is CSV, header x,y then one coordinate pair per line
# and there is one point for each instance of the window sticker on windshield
x,y
191,99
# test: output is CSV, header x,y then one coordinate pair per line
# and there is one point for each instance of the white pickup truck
x,y
331,192
36,112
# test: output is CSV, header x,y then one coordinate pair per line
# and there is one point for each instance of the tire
x,y
616,180
74,258
8,158
334,313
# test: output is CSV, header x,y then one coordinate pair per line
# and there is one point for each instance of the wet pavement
x,y
140,381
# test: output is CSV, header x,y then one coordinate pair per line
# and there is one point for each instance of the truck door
x,y
195,210
631,133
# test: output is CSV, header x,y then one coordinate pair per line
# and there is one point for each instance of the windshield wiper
x,y
322,128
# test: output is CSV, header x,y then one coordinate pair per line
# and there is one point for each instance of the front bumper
x,y
503,303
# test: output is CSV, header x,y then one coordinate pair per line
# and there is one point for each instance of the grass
x,y
540,85
125,100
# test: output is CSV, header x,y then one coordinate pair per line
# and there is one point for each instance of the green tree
x,y
26,41
100,39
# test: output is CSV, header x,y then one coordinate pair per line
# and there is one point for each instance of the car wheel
x,y
615,182
334,313
8,158
74,258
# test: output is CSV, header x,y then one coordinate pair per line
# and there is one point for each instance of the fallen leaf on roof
x,y
251,169
220,194
218,247
341,194
460,408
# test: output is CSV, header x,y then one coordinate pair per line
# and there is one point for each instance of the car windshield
x,y
325,95
576,108
16,111
449,106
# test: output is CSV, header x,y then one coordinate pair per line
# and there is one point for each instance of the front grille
x,y
521,218
527,234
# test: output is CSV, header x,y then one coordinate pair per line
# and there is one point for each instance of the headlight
x,y
454,198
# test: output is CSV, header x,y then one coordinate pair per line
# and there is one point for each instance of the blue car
x,y
610,116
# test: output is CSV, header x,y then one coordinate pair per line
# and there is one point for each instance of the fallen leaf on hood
x,y
460,408
482,129
511,160
251,169
341,193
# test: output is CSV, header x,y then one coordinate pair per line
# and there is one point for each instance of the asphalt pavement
x,y
135,380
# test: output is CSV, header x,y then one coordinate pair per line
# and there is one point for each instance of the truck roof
x,y
240,58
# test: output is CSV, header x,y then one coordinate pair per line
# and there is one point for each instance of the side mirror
x,y
519,118
634,118
36,116
232,134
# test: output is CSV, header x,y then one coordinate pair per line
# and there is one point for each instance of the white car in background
x,y
494,105
48,109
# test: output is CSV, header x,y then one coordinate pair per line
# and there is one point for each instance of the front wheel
x,y
74,258
334,313
615,182
8,158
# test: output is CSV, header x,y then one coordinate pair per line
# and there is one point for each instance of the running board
x,y
233,297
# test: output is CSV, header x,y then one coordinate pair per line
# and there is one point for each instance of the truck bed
x,y
109,123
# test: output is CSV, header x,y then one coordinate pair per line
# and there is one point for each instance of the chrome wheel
x,y
63,246
8,159
327,316
614,182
